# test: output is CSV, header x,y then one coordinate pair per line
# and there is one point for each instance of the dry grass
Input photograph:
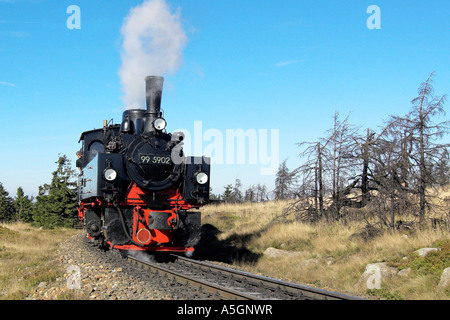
x,y
328,256
242,216
27,257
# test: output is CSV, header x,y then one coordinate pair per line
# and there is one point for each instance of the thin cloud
x,y
9,84
287,63
17,21
19,34
15,1
15,34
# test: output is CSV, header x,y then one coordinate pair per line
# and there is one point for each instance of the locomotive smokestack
x,y
154,86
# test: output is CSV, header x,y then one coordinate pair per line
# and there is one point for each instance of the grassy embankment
x,y
329,256
28,257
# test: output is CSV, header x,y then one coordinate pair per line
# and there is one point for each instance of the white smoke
x,y
153,42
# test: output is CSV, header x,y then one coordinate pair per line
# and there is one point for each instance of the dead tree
x,y
424,133
341,160
312,175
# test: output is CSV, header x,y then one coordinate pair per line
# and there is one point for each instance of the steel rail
x,y
292,289
213,289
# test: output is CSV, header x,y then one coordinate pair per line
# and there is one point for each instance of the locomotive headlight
x,y
201,178
110,174
159,124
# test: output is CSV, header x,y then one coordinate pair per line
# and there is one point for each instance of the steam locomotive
x,y
137,188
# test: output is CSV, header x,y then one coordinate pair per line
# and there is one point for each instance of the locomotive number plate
x,y
154,159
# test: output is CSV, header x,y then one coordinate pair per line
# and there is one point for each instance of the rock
x,y
424,251
375,273
308,262
445,278
404,273
277,253
330,261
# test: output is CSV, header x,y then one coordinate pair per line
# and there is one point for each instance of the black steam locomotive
x,y
137,188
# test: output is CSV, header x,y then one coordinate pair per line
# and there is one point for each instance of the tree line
x,y
54,206
394,170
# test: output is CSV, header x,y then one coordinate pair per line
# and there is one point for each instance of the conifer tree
x,y
227,194
56,203
237,193
284,182
6,205
23,206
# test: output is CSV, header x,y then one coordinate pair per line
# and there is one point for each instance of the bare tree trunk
x,y
334,162
404,160
365,175
316,173
320,172
393,207
422,181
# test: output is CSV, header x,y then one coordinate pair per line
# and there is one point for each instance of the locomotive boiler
x,y
137,190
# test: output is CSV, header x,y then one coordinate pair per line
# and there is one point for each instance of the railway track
x,y
226,283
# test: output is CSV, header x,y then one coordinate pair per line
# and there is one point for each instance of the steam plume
x,y
153,41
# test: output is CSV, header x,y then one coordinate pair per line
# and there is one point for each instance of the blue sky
x,y
265,64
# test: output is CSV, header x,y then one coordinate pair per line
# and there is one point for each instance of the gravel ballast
x,y
92,274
